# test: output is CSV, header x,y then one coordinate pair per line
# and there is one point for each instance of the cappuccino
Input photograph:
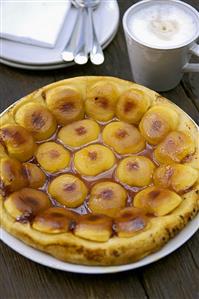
x,y
163,25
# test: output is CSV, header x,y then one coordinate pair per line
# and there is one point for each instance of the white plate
x,y
49,66
44,259
106,18
47,260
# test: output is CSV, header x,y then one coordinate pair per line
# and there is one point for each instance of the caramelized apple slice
x,y
93,159
157,123
101,101
163,175
52,156
174,148
54,220
184,177
123,137
26,203
130,221
158,201
3,153
36,177
135,171
79,133
65,103
12,175
131,105
107,198
18,141
94,227
175,176
37,119
68,190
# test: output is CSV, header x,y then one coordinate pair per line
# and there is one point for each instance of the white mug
x,y
162,68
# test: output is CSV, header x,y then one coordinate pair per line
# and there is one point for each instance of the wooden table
x,y
174,277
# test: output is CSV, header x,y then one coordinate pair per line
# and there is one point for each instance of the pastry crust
x,y
67,246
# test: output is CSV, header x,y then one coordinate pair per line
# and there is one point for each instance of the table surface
x,y
175,276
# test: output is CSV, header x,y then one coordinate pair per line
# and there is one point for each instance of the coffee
x,y
163,25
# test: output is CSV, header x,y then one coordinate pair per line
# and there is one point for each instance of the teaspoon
x,y
96,53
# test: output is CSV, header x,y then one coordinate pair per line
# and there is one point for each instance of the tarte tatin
x,y
97,170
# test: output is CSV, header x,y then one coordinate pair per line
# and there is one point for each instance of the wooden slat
x,y
44,282
176,276
15,83
193,247
190,84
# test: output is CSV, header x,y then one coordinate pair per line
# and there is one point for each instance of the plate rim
x,y
53,66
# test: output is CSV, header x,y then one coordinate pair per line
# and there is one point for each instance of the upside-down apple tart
x,y
97,170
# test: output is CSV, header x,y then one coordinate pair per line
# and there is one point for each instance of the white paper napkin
x,y
33,22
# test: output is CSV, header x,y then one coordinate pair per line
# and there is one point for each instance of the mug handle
x,y
192,67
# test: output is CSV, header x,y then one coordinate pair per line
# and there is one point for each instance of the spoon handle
x,y
96,54
68,51
81,54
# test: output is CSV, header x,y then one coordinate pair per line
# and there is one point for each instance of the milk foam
x,y
163,25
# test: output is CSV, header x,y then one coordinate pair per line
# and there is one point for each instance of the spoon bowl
x,y
87,3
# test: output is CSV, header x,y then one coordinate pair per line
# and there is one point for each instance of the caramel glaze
x,y
90,181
